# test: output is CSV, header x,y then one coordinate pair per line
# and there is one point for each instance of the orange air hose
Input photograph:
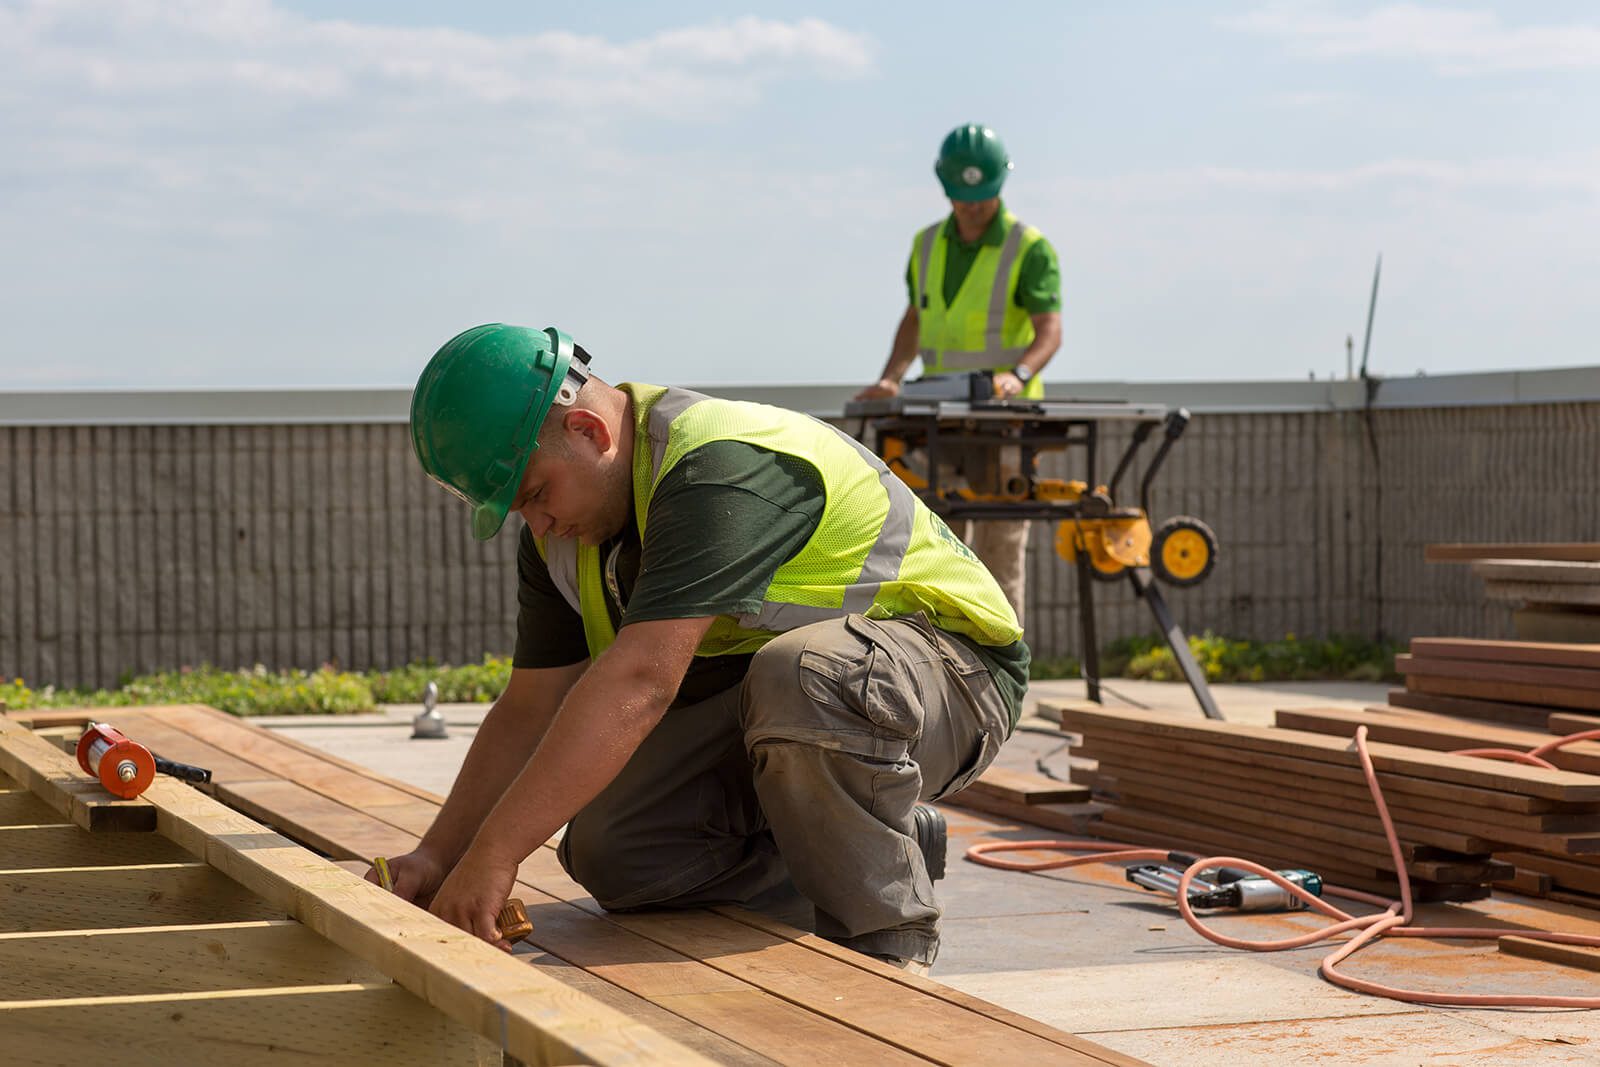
x,y
1394,921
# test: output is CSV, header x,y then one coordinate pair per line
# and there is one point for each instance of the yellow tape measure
x,y
385,879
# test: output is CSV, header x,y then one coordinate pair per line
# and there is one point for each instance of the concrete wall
x,y
162,530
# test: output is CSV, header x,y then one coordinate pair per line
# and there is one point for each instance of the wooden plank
x,y
1579,956
168,740
1422,730
1508,692
930,986
1392,782
1541,653
1570,873
804,975
1541,593
917,1023
91,898
1554,785
1532,716
313,820
1526,674
1528,882
1457,551
1020,787
701,1039
56,778
267,752
173,959
334,1025
1564,723
1538,570
67,845
41,717
542,1020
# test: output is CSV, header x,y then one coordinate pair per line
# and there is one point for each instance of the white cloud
x,y
210,116
1453,41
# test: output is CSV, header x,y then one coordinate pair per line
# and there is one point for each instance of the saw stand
x,y
946,430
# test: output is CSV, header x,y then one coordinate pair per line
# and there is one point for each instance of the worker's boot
x,y
932,837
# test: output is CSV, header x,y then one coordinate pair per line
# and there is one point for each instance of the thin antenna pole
x,y
1372,307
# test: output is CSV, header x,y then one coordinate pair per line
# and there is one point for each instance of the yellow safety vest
x,y
877,550
982,328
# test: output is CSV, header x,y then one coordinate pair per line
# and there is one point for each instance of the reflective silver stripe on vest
x,y
882,564
668,406
561,560
1000,294
925,260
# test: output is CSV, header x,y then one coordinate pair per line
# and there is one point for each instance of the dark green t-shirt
x,y
1038,278
722,522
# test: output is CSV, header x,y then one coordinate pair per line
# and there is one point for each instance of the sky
x,y
291,193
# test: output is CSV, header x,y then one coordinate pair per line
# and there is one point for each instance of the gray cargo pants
x,y
808,772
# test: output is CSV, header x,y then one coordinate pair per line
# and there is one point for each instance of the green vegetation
x,y
329,691
1228,660
259,691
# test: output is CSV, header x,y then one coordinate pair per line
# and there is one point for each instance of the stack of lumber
x,y
1522,683
1555,588
1554,845
1295,798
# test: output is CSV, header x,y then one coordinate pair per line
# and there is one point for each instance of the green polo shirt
x,y
1038,283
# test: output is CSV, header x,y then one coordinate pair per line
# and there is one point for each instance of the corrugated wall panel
x,y
126,549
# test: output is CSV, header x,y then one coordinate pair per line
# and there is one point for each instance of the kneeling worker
x,y
745,653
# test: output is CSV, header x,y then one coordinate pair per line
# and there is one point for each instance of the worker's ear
x,y
591,427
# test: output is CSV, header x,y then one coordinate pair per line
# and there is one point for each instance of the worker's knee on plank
x,y
844,684
599,858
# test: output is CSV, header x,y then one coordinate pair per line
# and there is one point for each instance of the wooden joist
x,y
458,985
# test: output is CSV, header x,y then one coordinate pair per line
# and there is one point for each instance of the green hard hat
x,y
477,409
972,163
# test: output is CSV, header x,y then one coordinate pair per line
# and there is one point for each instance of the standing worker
x,y
985,294
746,653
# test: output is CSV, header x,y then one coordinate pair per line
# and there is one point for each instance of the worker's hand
x,y
881,389
417,876
473,894
1007,385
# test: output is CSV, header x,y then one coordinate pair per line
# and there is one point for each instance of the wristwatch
x,y
1024,374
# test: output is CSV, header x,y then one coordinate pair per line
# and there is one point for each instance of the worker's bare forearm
x,y
604,720
1046,341
507,738
606,715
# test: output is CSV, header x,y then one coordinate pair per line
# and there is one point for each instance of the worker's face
x,y
975,214
577,485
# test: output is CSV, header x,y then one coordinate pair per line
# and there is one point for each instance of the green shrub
x,y
1224,659
257,691
477,683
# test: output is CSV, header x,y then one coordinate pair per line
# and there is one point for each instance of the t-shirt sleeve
x,y
721,523
549,631
1039,280
911,282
